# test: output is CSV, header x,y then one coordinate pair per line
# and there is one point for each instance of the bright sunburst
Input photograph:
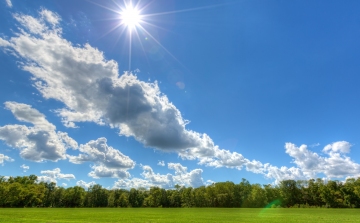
x,y
130,17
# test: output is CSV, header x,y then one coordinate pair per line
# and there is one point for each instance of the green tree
x,y
74,197
187,197
289,192
136,198
257,198
96,196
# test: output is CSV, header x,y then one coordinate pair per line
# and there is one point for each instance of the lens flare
x,y
270,207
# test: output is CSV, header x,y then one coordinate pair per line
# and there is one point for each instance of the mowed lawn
x,y
185,215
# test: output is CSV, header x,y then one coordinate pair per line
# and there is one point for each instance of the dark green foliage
x,y
96,196
28,192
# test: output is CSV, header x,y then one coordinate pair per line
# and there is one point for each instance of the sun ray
x,y
164,48
183,10
131,19
130,44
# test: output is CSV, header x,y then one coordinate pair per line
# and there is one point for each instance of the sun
x,y
130,17
134,19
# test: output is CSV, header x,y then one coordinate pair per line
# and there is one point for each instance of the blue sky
x,y
194,92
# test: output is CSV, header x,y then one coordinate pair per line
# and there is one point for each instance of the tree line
x,y
27,191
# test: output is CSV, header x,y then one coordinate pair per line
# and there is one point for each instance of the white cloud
x,y
45,25
4,158
209,182
132,183
98,151
314,145
26,113
64,184
53,175
109,162
4,43
92,90
283,173
100,171
9,3
185,178
156,178
310,164
33,25
39,142
25,168
50,17
337,147
150,178
161,163
307,161
85,185
179,169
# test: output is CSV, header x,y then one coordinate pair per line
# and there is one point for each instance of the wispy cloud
x,y
24,167
9,3
161,163
4,158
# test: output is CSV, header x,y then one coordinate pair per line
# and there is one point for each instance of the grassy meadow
x,y
186,215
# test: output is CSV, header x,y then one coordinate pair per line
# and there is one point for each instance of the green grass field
x,y
185,215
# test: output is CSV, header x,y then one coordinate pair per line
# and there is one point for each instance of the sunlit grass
x,y
185,215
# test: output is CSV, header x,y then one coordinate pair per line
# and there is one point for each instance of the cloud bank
x,y
92,90
42,142
181,177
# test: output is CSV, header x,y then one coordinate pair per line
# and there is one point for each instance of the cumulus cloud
x,y
92,90
98,151
337,147
283,173
85,185
181,177
109,162
309,164
39,142
133,183
100,171
53,175
4,158
161,163
24,167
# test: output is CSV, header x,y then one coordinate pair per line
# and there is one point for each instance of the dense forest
x,y
27,191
